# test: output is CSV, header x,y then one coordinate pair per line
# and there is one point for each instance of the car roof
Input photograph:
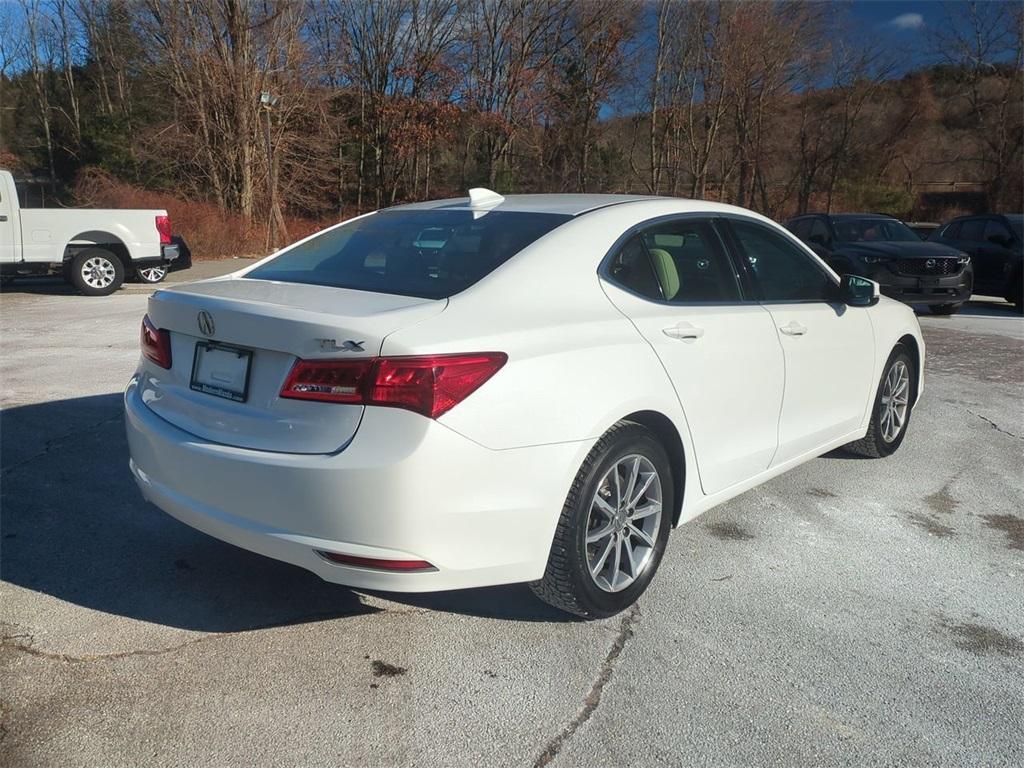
x,y
567,204
841,216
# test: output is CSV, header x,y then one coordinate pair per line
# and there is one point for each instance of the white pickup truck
x,y
94,249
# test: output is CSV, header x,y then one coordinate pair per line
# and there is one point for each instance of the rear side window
x,y
690,263
781,269
631,268
996,229
432,254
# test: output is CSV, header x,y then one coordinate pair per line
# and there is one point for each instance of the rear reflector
x,y
431,384
156,343
373,562
163,226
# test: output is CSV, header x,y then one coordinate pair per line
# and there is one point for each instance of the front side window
x,y
690,264
432,254
819,232
801,228
973,230
781,268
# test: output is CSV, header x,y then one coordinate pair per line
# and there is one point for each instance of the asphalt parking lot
x,y
851,612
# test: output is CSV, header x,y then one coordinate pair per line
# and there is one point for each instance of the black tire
x,y
150,275
874,445
96,272
945,309
567,583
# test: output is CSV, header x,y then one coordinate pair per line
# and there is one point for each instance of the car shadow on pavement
x,y
49,286
75,527
976,307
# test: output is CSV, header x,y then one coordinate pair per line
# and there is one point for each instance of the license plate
x,y
221,370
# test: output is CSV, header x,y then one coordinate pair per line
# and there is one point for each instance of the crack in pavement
x,y
994,426
54,442
12,641
593,698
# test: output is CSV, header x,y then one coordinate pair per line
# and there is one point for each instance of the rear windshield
x,y
427,253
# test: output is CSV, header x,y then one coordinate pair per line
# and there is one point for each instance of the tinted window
x,y
997,229
1017,222
689,262
632,269
801,228
972,229
820,230
783,271
950,231
873,230
432,254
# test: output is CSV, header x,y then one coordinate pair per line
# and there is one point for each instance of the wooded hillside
x,y
777,106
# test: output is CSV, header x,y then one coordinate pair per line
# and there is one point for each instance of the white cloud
x,y
907,21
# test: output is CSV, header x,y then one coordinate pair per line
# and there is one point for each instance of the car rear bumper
x,y
927,289
407,488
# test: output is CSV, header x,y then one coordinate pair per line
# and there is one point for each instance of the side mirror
x,y
818,240
858,291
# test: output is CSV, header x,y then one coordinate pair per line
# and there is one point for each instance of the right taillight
x,y
427,384
163,228
156,343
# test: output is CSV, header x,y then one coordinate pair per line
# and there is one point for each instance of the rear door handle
x,y
3,217
683,332
793,328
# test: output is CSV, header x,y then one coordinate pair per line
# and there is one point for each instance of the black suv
x,y
996,246
885,250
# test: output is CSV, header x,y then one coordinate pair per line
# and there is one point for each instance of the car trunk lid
x,y
272,324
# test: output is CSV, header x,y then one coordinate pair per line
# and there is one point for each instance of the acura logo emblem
x,y
930,263
206,326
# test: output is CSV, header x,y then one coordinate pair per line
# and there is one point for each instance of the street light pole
x,y
276,230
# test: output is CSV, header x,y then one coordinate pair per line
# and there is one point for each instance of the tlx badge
x,y
330,345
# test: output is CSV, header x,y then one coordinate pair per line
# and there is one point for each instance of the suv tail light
x,y
163,226
429,384
156,343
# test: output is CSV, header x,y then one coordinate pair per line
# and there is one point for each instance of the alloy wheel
x,y
623,523
153,274
895,400
98,272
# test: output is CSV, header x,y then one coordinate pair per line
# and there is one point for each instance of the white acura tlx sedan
x,y
533,388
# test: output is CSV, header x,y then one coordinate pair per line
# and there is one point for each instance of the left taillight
x,y
427,384
163,226
156,343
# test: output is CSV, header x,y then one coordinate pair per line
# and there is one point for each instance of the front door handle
x,y
793,328
3,217
684,332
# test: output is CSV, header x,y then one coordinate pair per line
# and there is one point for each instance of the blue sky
x,y
904,25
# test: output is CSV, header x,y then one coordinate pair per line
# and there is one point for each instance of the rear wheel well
x,y
104,240
668,436
910,343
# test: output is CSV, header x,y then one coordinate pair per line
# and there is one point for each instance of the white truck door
x,y
10,228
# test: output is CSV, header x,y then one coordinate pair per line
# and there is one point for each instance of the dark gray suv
x,y
884,249
996,245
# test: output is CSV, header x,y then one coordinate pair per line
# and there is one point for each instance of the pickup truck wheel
x,y
96,272
150,274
